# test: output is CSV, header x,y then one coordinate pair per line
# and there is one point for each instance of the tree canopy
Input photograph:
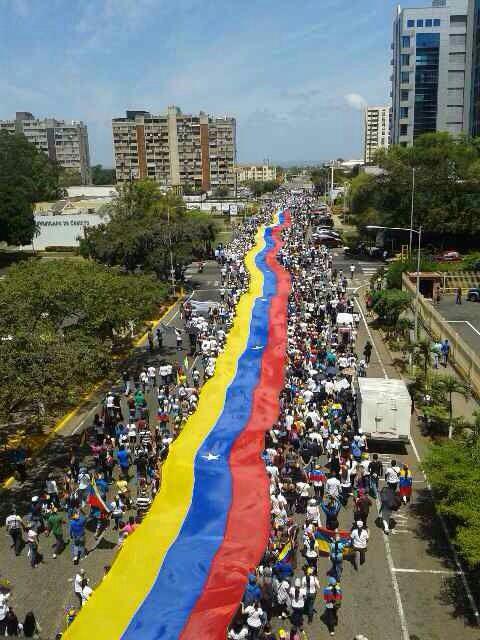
x,y
447,186
454,473
102,176
144,226
26,176
59,322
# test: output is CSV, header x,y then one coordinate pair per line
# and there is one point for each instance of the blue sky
x,y
294,74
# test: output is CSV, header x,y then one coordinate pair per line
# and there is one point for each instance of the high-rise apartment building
x,y
429,65
472,82
63,142
377,131
175,149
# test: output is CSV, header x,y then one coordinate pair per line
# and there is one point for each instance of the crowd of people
x,y
316,456
110,482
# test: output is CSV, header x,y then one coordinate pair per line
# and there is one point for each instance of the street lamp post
x,y
411,213
172,270
417,288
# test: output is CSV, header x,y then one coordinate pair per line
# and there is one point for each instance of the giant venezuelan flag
x,y
183,572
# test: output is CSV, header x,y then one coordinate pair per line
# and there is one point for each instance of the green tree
x,y
102,175
145,226
449,384
447,185
454,474
390,304
59,323
70,178
221,192
422,353
26,176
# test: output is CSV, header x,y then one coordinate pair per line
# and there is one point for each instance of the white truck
x,y
384,408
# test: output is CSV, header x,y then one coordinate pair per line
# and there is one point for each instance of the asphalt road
x,y
463,318
409,589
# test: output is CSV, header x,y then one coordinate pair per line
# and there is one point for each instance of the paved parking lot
x,y
463,318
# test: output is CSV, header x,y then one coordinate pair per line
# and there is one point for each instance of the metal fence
x,y
462,357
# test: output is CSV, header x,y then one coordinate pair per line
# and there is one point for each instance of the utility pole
x,y
411,214
172,270
331,186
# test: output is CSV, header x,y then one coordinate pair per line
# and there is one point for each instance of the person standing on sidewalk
x,y
15,527
458,295
445,348
367,351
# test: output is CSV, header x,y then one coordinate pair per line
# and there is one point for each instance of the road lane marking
x,y
464,322
451,548
448,572
371,338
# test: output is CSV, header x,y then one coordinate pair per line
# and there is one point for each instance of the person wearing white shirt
x,y
359,537
392,475
311,585
298,595
333,486
255,618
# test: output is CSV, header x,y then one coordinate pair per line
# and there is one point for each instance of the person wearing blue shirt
x,y
336,556
282,569
123,458
253,592
77,536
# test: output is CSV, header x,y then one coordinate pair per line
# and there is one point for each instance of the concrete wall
x,y
463,358
62,230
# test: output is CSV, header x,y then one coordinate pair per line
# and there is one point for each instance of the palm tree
x,y
422,353
449,385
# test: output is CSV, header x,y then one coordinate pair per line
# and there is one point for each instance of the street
x,y
411,587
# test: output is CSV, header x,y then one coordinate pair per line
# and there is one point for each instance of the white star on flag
x,y
211,456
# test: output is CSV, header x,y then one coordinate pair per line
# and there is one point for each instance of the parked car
x,y
328,241
327,231
448,256
474,294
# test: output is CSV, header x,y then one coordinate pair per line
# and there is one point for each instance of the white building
x,y
376,132
256,173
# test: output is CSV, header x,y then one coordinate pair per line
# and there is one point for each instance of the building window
x,y
405,76
458,20
403,95
410,23
404,129
436,22
405,42
428,23
403,112
426,82
405,59
419,23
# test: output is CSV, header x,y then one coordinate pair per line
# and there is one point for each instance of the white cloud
x,y
356,101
